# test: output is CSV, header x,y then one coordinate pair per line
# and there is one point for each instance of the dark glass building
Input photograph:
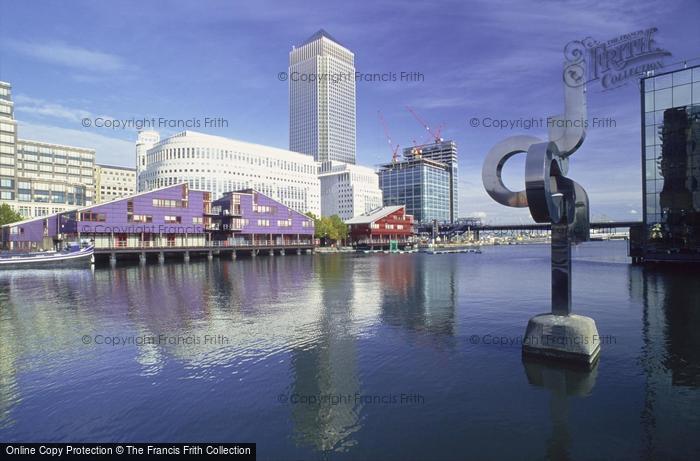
x,y
671,168
422,185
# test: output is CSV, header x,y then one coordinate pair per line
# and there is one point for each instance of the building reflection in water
x,y
564,383
399,291
34,338
328,370
670,355
417,295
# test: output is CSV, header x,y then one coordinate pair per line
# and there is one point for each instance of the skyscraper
x,y
322,99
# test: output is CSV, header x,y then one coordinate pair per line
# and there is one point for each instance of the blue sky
x,y
184,60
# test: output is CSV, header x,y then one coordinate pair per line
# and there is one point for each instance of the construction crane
x,y
435,133
394,150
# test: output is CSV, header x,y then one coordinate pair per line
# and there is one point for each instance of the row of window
x,y
169,203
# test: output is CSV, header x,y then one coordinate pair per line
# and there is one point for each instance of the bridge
x,y
475,225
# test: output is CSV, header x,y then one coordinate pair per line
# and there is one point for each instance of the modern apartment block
x,y
670,112
322,99
39,178
422,185
219,165
443,152
348,190
113,182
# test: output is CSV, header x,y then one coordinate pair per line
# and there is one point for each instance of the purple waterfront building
x,y
173,217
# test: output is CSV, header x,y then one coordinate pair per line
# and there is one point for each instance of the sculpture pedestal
x,y
571,338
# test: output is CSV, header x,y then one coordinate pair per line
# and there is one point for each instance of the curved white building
x,y
219,165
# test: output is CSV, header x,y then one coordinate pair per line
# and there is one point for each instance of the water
x,y
353,356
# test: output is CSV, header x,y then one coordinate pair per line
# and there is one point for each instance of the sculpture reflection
x,y
563,384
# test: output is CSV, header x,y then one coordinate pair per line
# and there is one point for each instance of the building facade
x,y
146,139
8,146
113,182
39,178
422,185
247,217
322,99
379,227
443,152
670,105
171,217
348,190
218,165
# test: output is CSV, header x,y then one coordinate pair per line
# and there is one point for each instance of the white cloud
x,y
39,107
70,56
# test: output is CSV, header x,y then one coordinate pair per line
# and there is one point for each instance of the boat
x,y
452,250
72,256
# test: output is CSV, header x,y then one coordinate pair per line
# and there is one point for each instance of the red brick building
x,y
379,227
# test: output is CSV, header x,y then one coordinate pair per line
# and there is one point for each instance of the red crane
x,y
394,150
434,133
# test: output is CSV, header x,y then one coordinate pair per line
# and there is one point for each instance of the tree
x,y
338,229
329,228
8,215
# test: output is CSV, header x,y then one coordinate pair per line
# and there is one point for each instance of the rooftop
x,y
318,35
374,215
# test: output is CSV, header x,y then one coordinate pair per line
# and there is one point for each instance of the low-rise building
x,y
113,182
171,217
381,226
247,217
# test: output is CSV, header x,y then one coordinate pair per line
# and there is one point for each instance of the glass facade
x,y
443,152
421,185
671,159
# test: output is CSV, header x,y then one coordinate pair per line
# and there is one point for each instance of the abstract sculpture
x,y
554,198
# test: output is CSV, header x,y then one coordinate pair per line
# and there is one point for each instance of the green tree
x,y
331,228
338,229
7,215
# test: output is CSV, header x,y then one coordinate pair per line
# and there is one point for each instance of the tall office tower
x,y
322,99
39,178
443,152
146,139
8,142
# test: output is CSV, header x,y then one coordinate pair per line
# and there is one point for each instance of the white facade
x,y
39,178
348,190
219,165
322,99
146,139
113,182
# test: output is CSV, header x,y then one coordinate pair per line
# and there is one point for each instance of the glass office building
x,y
422,185
671,164
443,152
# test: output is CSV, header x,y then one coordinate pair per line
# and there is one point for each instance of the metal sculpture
x,y
552,197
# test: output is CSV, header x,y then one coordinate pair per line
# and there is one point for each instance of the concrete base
x,y
571,338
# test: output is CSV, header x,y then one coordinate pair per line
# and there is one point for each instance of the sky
x,y
488,59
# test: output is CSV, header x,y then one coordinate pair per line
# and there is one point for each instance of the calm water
x,y
353,357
